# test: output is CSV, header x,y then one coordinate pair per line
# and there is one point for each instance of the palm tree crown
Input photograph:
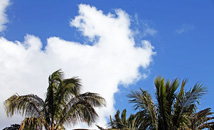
x,y
172,110
63,104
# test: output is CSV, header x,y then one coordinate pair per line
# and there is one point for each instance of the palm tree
x,y
172,110
120,122
63,104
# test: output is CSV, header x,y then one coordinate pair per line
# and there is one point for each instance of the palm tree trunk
x,y
52,123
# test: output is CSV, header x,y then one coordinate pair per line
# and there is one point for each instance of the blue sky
x,y
173,39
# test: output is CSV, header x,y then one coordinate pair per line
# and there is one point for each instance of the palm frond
x,y
193,95
202,119
31,123
79,111
123,117
29,105
143,102
82,108
92,98
112,123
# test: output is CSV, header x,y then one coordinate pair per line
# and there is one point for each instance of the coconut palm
x,y
172,110
63,104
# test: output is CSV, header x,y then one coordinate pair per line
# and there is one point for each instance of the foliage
x,y
63,104
122,122
202,119
173,109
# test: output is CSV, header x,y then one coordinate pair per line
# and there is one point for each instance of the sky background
x,y
114,46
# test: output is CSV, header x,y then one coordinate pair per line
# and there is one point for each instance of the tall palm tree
x,y
172,110
63,104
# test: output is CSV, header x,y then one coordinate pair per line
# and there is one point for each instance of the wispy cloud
x,y
143,28
184,28
3,17
112,60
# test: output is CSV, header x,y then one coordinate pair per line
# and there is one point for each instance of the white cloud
x,y
184,28
147,30
144,28
3,19
111,61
